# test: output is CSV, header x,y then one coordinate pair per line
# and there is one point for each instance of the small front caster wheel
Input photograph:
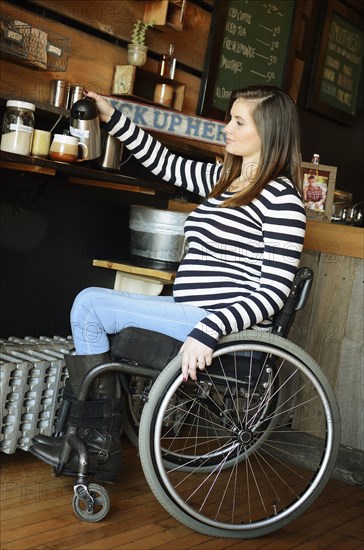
x,y
100,507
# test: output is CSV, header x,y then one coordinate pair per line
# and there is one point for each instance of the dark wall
x,y
337,144
50,232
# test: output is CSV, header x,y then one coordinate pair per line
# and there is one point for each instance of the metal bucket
x,y
157,234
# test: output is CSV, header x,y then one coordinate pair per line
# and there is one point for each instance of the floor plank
x,y
36,513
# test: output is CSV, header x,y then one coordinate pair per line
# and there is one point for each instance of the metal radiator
x,y
32,376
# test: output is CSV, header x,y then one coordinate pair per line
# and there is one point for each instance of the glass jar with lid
x,y
18,127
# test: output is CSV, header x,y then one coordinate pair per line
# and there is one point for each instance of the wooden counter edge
x,y
111,185
27,168
330,238
335,239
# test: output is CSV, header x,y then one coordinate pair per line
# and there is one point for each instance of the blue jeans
x,y
97,312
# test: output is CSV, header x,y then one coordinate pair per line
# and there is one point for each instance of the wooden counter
x,y
330,327
330,238
335,239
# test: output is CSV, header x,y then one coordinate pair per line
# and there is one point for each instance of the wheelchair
x,y
238,453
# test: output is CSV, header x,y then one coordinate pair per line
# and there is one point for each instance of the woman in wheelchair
x,y
244,245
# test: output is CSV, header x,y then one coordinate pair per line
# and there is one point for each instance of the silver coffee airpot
x,y
85,125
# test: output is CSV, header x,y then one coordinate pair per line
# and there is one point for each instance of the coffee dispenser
x,y
84,124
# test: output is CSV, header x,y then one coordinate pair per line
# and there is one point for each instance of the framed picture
x,y
338,71
318,190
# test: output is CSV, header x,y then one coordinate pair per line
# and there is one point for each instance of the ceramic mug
x,y
67,149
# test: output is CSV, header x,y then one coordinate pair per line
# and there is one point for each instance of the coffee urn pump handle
x,y
84,109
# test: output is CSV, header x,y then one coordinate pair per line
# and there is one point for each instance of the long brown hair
x,y
275,116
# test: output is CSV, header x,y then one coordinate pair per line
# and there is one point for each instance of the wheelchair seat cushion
x,y
145,347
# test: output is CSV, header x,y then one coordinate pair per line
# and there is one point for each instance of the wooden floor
x,y
36,512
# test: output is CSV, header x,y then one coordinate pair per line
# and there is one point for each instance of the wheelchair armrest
x,y
301,286
296,300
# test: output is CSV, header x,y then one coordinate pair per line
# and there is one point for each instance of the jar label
x,y
20,128
51,48
77,132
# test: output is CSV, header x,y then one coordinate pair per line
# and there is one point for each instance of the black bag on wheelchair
x,y
145,347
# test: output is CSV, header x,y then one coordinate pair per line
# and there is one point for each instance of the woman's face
x,y
241,134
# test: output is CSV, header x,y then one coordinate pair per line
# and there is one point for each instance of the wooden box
x,y
140,84
165,13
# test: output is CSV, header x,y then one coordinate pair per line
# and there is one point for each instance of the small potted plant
x,y
137,50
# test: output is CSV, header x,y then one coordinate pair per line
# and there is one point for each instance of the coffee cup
x,y
67,149
41,143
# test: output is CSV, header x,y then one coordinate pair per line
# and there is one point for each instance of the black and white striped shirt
x,y
240,261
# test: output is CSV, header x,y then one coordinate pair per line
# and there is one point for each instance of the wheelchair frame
x,y
230,454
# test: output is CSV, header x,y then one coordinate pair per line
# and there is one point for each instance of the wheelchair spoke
x,y
246,447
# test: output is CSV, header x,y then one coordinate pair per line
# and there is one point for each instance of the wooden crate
x,y
165,13
139,84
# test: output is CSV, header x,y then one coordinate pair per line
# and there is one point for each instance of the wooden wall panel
x,y
330,329
117,18
350,380
91,64
329,312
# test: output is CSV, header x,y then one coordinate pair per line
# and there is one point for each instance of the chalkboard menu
x,y
251,49
337,81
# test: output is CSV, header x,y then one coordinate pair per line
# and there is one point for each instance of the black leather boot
x,y
64,409
77,369
97,422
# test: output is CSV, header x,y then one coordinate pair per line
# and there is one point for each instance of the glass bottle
x,y
18,127
167,66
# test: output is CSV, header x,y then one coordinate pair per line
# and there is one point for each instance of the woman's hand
x,y
105,109
195,356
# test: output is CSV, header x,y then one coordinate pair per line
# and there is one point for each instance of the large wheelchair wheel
x,y
138,393
249,446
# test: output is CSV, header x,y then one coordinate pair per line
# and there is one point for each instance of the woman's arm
x,y
196,177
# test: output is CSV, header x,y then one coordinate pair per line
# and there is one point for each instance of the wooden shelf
x,y
44,108
180,145
165,13
159,275
83,175
134,82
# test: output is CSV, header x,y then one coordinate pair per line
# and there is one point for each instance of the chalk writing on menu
x,y
342,65
254,46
